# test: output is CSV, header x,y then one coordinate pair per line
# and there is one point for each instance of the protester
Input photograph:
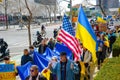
x,y
3,46
42,28
74,26
78,76
55,33
34,74
60,28
47,73
100,55
104,47
31,50
46,40
87,59
112,39
54,61
39,38
51,44
111,27
8,61
26,57
64,69
43,32
42,47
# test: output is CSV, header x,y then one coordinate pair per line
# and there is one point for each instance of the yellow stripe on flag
x,y
87,40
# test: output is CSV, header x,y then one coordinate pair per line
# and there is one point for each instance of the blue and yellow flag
x,y
85,33
99,19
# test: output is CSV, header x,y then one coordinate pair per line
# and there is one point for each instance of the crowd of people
x,y
65,69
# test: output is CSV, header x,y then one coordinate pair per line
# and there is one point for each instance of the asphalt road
x,y
18,39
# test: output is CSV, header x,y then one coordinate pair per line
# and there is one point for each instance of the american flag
x,y
67,36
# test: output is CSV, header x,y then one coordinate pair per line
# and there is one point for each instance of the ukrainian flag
x,y
85,33
99,19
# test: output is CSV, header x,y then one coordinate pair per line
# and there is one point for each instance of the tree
x,y
5,6
49,10
29,21
59,8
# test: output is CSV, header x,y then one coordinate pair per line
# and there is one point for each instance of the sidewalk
x,y
33,26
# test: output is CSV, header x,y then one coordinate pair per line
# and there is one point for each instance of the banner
x,y
24,70
7,72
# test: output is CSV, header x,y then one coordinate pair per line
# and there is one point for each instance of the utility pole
x,y
71,10
6,19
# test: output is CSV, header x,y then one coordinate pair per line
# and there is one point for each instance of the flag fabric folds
x,y
85,33
61,47
40,61
67,36
48,53
24,71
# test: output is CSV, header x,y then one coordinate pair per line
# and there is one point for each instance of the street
x,y
18,39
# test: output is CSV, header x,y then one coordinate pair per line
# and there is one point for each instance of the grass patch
x,y
116,48
110,70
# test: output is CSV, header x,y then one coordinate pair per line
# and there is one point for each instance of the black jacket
x,y
25,59
42,48
3,46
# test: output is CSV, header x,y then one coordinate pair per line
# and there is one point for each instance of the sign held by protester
x,y
7,72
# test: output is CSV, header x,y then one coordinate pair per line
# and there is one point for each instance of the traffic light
x,y
69,5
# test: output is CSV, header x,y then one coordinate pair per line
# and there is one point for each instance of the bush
x,y
116,48
110,70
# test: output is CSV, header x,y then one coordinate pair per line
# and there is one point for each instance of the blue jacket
x,y
69,72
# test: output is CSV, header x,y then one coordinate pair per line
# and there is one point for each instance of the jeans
x,y
100,57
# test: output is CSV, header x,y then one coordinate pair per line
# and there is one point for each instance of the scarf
x,y
64,69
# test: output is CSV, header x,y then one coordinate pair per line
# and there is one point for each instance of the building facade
x,y
106,4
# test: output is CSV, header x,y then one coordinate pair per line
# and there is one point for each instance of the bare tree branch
x,y
100,5
28,9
